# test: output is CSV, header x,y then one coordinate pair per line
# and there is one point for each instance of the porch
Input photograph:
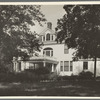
x,y
36,62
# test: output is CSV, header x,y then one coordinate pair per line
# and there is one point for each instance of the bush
x,y
85,75
67,78
7,77
53,76
18,77
42,71
29,75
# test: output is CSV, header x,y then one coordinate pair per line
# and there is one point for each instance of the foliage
x,y
67,78
81,30
42,70
85,75
15,22
39,71
28,75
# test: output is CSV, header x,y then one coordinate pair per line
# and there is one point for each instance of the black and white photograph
x,y
50,50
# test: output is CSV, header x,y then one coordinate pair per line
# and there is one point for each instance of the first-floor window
x,y
66,65
66,50
54,67
61,65
85,65
71,66
19,66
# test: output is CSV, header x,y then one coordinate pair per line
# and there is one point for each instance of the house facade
x,y
56,56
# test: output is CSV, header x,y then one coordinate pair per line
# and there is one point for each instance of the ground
x,y
63,88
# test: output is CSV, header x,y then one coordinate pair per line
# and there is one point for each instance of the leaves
x,y
15,22
81,29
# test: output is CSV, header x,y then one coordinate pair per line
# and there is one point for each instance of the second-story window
x,y
48,52
48,37
66,50
43,38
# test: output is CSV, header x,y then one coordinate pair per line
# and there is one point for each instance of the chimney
x,y
49,25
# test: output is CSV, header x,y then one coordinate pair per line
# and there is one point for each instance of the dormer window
x,y
48,37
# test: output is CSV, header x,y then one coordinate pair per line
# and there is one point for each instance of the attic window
x,y
48,37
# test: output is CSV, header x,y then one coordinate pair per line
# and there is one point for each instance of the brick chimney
x,y
49,25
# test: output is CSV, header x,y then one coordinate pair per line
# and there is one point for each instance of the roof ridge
x,y
46,30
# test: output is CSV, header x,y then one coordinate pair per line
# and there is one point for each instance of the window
x,y
52,37
54,67
71,66
61,65
85,65
48,37
43,38
51,53
66,50
43,52
31,65
66,65
48,52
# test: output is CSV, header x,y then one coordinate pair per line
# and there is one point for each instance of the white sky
x,y
52,13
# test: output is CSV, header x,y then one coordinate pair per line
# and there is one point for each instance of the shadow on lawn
x,y
63,88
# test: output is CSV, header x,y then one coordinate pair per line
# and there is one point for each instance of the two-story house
x,y
56,56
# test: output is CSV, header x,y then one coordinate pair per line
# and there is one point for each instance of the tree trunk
x,y
95,60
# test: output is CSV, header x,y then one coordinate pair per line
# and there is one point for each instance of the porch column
x,y
42,38
17,69
45,37
14,66
52,67
50,37
44,64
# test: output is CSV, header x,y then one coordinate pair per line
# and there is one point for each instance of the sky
x,y
52,13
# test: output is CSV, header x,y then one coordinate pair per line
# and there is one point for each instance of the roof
x,y
43,32
43,59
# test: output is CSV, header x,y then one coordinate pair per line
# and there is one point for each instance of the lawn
x,y
62,88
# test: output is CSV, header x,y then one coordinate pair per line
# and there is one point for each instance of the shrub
x,y
42,71
53,76
85,75
7,77
29,75
26,77
67,78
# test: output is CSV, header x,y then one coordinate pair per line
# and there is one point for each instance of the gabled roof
x,y
43,32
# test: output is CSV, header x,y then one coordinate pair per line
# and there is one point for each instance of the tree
x,y
82,30
15,22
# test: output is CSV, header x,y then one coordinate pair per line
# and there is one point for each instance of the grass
x,y
62,88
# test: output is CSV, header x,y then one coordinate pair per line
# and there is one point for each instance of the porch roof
x,y
36,59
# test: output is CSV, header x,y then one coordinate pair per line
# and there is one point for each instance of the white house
x,y
56,56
